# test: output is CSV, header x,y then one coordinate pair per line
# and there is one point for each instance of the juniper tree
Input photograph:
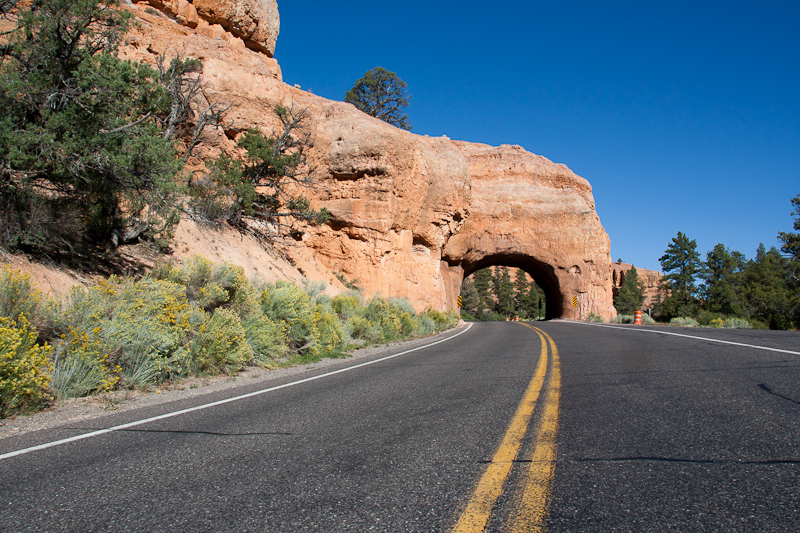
x,y
79,127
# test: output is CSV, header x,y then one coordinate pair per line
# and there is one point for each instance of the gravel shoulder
x,y
77,409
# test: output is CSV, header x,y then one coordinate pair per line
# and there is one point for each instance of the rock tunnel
x,y
529,213
541,273
411,216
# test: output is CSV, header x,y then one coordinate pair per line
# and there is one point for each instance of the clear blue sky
x,y
684,116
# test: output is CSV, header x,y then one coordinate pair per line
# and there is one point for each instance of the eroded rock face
x,y
529,212
255,22
395,199
411,215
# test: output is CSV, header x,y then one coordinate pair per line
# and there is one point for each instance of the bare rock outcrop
x,y
255,22
411,215
529,212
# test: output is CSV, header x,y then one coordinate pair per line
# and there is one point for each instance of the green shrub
x,y
442,321
346,305
361,328
20,296
386,317
425,326
736,323
210,285
125,333
312,327
688,322
267,339
24,368
594,318
221,346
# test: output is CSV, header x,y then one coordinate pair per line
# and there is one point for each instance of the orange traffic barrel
x,y
637,318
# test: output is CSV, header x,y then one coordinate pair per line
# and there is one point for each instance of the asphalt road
x,y
655,432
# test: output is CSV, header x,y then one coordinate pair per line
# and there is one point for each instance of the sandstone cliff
x,y
411,215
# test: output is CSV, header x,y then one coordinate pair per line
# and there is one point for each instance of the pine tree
x,y
769,296
630,295
381,94
470,300
483,284
505,292
722,274
521,292
536,301
791,247
681,264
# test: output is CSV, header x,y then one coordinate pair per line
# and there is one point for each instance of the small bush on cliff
x,y
258,193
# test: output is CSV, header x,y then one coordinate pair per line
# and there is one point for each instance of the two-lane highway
x,y
661,432
591,428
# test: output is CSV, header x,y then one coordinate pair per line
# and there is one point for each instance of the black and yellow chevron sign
x,y
459,302
574,301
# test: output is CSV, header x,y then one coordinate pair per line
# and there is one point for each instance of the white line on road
x,y
219,402
687,336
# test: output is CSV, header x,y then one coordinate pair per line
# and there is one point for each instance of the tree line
x,y
764,290
491,294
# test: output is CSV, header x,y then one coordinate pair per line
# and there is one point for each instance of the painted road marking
x,y
478,512
645,330
531,509
219,402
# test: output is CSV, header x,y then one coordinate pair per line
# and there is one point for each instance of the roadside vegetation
x,y
200,319
726,290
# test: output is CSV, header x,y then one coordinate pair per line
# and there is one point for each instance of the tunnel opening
x,y
542,274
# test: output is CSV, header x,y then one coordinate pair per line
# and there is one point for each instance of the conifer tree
x,y
505,292
630,295
769,296
521,292
483,286
470,300
681,264
722,275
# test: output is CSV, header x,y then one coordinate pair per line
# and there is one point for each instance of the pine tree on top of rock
x,y
381,94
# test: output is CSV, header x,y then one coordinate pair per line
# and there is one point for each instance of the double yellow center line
x,y
530,509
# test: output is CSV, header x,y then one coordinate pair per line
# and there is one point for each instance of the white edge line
x,y
687,336
219,402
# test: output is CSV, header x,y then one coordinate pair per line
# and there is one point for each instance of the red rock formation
x,y
529,212
651,280
410,214
255,22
